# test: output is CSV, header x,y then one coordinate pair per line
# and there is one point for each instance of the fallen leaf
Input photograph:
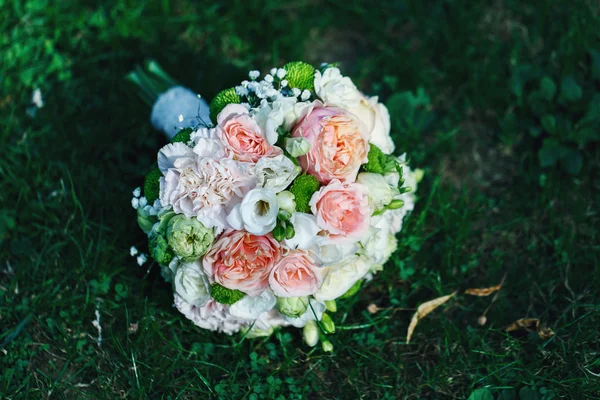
x,y
531,325
482,292
423,310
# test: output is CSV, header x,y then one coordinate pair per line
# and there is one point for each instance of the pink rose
x,y
242,261
339,143
342,209
295,275
242,136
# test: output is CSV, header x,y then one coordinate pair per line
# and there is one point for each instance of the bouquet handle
x,y
174,107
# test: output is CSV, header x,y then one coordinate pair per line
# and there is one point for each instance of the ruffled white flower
x,y
212,316
341,277
314,312
337,90
251,307
171,153
192,284
257,213
275,173
207,143
204,187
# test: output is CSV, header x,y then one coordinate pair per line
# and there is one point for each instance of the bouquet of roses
x,y
286,200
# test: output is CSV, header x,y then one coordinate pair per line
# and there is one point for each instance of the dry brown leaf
x,y
423,310
482,292
531,325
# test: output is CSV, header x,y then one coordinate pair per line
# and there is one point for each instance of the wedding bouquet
x,y
273,202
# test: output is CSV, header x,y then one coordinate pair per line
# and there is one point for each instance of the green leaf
x,y
507,394
527,393
570,90
573,161
481,394
595,54
549,123
550,153
547,88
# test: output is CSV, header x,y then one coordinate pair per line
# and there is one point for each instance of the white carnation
x,y
275,173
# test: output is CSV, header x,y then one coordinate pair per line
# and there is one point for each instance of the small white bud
x,y
273,71
310,332
141,259
281,73
285,200
137,191
269,78
143,202
133,251
305,95
135,203
254,74
297,146
180,118
296,92
284,83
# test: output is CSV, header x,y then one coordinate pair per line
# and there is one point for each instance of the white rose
x,y
376,118
275,173
341,277
330,253
306,229
297,146
335,89
257,213
251,307
379,191
313,312
379,245
191,284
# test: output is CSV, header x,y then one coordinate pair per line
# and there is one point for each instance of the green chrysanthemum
x,y
182,136
303,188
227,96
379,162
152,185
300,75
225,296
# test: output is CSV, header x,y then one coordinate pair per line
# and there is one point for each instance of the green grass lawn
x,y
498,102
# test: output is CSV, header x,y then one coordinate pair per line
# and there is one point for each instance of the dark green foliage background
x,y
497,101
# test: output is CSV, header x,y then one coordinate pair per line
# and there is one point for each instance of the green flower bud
x,y
255,333
152,185
227,96
310,333
297,146
330,305
183,136
284,215
225,296
327,323
160,250
327,346
145,220
279,231
353,290
300,75
395,204
188,237
293,307
289,231
303,187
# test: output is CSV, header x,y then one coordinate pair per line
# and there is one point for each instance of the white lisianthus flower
x,y
257,213
376,118
314,312
296,113
192,284
286,201
380,193
275,173
297,146
251,307
335,89
341,277
271,116
306,229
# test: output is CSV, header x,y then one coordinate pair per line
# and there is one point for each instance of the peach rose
x,y
295,275
342,209
339,143
242,136
242,261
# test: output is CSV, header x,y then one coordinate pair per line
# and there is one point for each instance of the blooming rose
x,y
294,275
275,173
257,213
242,136
341,277
202,187
342,209
242,261
376,118
339,143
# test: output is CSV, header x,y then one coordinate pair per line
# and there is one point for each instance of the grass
x,y
511,189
